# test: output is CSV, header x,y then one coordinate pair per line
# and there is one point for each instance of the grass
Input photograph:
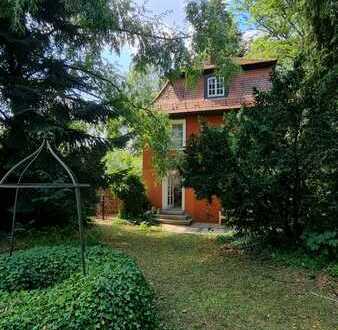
x,y
199,285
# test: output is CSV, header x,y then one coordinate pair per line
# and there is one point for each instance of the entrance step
x,y
172,211
173,217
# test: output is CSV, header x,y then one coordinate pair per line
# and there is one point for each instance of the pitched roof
x,y
175,97
245,63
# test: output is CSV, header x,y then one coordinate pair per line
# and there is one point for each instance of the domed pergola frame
x,y
28,161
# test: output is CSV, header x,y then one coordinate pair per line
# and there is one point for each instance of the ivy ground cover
x,y
44,288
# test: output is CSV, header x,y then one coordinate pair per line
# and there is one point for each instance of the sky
x,y
175,16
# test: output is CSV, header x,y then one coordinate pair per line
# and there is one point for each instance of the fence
x,y
108,206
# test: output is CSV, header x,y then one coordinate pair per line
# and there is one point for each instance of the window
x,y
178,134
215,86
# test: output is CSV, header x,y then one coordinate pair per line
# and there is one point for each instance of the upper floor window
x,y
215,86
178,134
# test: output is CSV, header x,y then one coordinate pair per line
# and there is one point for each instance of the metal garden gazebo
x,y
27,162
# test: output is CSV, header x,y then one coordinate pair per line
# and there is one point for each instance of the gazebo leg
x,y
13,222
82,245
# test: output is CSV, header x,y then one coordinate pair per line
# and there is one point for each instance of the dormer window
x,y
215,86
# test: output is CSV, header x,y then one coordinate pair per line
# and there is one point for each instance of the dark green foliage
x,y
210,34
114,295
200,168
274,166
215,36
276,171
53,80
326,242
333,270
37,268
300,258
287,159
129,188
123,169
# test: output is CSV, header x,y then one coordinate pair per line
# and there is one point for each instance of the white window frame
x,y
216,80
183,122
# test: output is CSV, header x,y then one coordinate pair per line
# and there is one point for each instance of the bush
x,y
36,268
325,243
299,258
333,270
130,190
114,294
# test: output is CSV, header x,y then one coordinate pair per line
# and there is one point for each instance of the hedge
x,y
43,288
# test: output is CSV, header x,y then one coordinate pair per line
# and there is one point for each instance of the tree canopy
x,y
53,79
215,37
281,25
274,166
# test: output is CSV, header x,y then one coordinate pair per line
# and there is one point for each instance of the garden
x,y
197,282
44,288
80,78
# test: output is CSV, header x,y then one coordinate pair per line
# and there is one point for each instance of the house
x,y
209,99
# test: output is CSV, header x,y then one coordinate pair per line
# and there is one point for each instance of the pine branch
x,y
154,36
112,84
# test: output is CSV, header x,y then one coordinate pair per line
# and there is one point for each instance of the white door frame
x,y
165,194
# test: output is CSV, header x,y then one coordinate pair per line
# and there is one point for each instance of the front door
x,y
174,191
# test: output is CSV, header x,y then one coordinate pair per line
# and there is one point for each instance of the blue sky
x,y
175,16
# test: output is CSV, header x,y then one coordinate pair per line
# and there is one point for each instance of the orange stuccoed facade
x,y
193,106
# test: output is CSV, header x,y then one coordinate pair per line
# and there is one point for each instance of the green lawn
x,y
200,286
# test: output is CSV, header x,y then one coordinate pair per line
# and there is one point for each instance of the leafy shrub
x,y
130,190
124,169
325,242
114,294
225,238
49,207
37,268
299,258
333,270
144,226
118,221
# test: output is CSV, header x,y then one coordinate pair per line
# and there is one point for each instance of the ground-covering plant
x,y
37,268
300,259
199,285
54,294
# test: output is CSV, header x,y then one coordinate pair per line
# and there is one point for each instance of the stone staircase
x,y
173,217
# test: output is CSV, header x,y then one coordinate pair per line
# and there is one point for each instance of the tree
x,y
272,166
280,157
215,37
123,169
282,28
148,128
199,166
52,79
